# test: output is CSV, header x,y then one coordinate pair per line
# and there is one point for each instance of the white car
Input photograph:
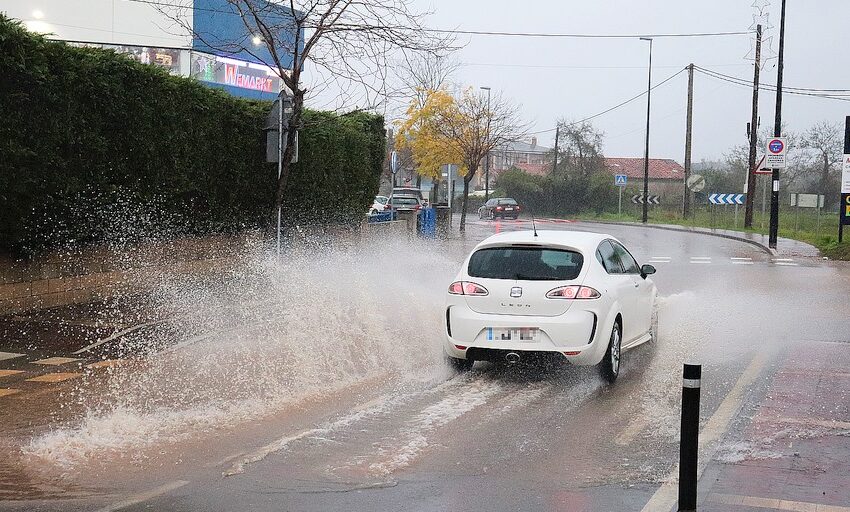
x,y
575,296
379,204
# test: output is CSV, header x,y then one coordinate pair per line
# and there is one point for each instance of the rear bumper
x,y
578,330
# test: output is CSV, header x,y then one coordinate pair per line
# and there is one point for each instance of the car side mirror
x,y
646,270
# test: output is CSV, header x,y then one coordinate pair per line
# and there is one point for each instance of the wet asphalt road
x,y
499,438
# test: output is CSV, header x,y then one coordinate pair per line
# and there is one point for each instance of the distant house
x,y
535,169
666,176
526,155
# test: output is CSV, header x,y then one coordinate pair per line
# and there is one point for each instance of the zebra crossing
x,y
33,373
734,260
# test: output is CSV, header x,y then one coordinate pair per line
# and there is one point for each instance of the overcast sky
x,y
575,78
555,78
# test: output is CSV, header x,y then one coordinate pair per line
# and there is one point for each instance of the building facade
x,y
203,39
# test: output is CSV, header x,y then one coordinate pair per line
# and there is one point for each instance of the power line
x,y
585,36
615,107
830,94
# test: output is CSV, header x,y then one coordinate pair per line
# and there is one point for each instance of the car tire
x,y
481,214
460,365
609,367
492,215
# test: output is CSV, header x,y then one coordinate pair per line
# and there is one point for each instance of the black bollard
x,y
689,447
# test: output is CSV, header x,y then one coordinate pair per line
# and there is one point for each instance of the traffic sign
x,y
845,175
775,156
394,162
638,199
761,167
620,180
696,183
727,198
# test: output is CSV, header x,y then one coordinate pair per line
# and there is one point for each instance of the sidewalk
x,y
785,247
794,453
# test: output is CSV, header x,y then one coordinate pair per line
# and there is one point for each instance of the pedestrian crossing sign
x,y
620,180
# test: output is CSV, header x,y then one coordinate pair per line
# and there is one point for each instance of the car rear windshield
x,y
404,201
525,263
507,201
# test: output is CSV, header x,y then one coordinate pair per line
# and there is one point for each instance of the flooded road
x,y
319,385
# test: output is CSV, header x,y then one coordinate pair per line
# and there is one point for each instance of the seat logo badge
x,y
516,291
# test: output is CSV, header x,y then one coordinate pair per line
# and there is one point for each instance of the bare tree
x,y
825,140
420,73
580,149
473,130
347,41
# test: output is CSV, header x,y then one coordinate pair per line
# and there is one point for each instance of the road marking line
x,y
54,377
786,264
700,257
667,495
7,373
135,499
703,262
9,355
56,361
776,504
831,424
743,263
631,431
8,391
782,259
742,259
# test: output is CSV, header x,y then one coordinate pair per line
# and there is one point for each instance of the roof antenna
x,y
533,225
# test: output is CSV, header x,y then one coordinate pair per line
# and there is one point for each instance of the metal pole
x,y
763,201
279,163
487,160
646,153
686,194
751,176
620,203
777,131
689,443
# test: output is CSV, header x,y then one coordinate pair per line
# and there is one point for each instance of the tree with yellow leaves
x,y
459,130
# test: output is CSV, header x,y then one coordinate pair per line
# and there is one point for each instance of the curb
x,y
764,248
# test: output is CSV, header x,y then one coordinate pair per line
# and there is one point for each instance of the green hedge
x,y
95,147
559,194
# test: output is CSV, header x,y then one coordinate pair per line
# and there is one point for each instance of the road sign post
x,y
775,159
620,181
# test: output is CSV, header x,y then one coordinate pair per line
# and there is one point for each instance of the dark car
x,y
405,203
504,207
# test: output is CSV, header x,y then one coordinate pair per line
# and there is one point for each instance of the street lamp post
x,y
487,161
646,150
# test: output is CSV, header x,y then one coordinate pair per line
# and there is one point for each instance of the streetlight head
x,y
646,39
485,88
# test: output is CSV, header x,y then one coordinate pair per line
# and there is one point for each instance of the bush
x,y
559,194
97,147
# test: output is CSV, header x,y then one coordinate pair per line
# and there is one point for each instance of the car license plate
x,y
509,209
513,334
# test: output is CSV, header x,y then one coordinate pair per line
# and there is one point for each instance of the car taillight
x,y
573,292
499,208
467,288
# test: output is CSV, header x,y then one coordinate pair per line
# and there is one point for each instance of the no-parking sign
x,y
775,154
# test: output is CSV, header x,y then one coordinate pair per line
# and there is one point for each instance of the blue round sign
x,y
776,146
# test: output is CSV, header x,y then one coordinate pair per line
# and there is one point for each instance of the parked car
x,y
504,207
407,191
572,296
380,204
405,203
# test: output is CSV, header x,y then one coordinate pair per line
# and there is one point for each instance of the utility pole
x,y
777,131
686,194
753,134
487,161
646,154
557,136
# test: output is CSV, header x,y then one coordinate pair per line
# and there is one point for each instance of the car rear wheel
x,y
609,367
492,215
460,365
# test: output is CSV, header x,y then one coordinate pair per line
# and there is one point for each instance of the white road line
x,y
135,499
786,264
9,355
782,259
666,495
742,263
741,259
705,262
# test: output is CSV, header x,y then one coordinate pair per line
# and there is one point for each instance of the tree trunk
x,y
466,179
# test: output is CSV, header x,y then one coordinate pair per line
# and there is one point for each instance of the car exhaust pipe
x,y
512,357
